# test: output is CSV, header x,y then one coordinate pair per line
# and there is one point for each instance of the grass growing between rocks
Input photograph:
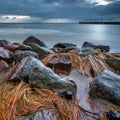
x,y
89,65
19,100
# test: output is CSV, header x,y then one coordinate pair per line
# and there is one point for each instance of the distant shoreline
x,y
114,23
118,23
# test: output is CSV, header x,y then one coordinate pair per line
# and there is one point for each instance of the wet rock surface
x,y
32,39
22,70
106,86
33,71
47,79
19,55
41,51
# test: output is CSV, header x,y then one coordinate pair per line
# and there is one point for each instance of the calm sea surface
x,y
71,33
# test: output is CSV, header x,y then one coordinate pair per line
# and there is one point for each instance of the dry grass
x,y
17,101
91,66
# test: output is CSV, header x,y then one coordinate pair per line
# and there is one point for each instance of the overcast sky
x,y
58,10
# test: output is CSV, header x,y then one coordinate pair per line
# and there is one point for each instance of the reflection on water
x,y
74,33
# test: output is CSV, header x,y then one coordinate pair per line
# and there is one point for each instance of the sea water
x,y
71,33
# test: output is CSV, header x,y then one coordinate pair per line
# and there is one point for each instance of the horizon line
x,y
79,22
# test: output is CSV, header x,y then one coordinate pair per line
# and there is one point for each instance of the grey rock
x,y
38,75
106,86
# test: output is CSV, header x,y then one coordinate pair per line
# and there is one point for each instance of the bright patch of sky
x,y
99,2
13,18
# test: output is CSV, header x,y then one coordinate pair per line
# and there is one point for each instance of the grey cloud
x,y
111,11
70,9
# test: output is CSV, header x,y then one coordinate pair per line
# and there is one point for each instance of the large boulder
x,y
41,51
32,39
19,55
38,75
47,79
90,46
106,86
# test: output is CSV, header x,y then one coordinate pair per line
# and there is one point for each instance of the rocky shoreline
x,y
89,74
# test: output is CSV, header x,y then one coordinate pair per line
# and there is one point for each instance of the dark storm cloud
x,y
111,11
64,1
70,9
113,8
